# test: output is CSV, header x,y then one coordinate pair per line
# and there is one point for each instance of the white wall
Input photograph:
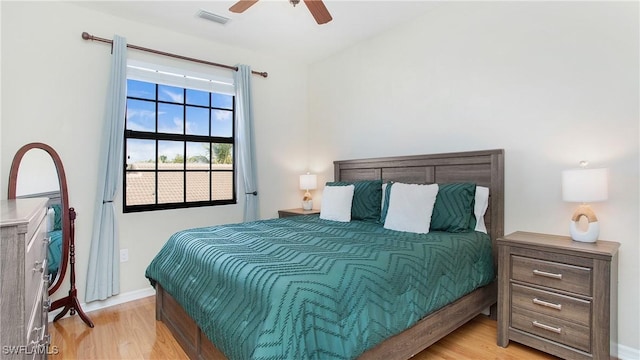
x,y
551,83
53,91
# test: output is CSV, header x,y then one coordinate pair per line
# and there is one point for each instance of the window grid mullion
x,y
184,145
184,138
156,192
210,148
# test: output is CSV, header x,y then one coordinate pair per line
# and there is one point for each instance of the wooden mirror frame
x,y
64,203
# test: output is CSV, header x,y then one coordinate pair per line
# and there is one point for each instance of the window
x,y
179,141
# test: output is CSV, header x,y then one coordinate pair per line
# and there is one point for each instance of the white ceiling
x,y
272,27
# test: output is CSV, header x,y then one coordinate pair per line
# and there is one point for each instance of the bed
x,y
354,252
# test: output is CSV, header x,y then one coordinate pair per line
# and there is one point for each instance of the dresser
x,y
24,300
558,295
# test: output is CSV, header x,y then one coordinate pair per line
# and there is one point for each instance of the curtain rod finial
x,y
86,36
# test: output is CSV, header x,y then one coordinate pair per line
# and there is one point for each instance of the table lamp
x,y
584,186
308,182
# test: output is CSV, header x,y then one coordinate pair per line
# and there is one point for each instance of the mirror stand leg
x,y
71,302
71,305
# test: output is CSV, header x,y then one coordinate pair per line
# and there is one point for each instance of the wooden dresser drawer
x,y
35,223
548,327
37,331
551,304
571,278
36,326
35,266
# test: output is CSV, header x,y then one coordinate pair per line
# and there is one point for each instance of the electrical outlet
x,y
124,255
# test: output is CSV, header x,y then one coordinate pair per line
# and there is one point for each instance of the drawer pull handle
x,y
46,306
547,274
38,266
547,304
554,329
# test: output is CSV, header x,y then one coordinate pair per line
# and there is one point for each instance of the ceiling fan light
x,y
208,15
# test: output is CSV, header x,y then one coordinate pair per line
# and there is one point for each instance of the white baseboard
x,y
112,301
628,353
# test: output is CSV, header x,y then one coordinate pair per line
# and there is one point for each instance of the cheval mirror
x,y
37,171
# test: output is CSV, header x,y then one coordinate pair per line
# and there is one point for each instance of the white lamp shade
x,y
308,182
585,185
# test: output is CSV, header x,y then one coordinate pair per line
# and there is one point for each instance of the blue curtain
x,y
246,151
103,276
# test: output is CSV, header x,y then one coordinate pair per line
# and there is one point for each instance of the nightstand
x,y
296,212
558,295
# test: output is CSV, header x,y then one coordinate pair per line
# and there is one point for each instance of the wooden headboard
x,y
484,168
54,197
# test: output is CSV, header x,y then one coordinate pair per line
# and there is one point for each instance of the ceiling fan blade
x,y
319,11
242,5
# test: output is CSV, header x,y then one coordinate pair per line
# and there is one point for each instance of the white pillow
x,y
336,203
51,219
384,191
410,207
480,207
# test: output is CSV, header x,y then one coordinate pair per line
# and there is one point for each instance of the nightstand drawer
x,y
548,327
551,304
571,278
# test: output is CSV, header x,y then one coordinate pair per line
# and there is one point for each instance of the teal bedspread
x,y
306,288
55,251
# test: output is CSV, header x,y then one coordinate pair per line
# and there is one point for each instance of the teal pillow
x,y
385,205
57,220
367,196
453,209
473,222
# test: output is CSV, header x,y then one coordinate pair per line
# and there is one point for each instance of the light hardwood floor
x,y
130,331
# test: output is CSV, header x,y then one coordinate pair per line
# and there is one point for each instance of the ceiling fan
x,y
316,7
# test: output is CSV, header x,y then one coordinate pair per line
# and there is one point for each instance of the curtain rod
x,y
87,36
